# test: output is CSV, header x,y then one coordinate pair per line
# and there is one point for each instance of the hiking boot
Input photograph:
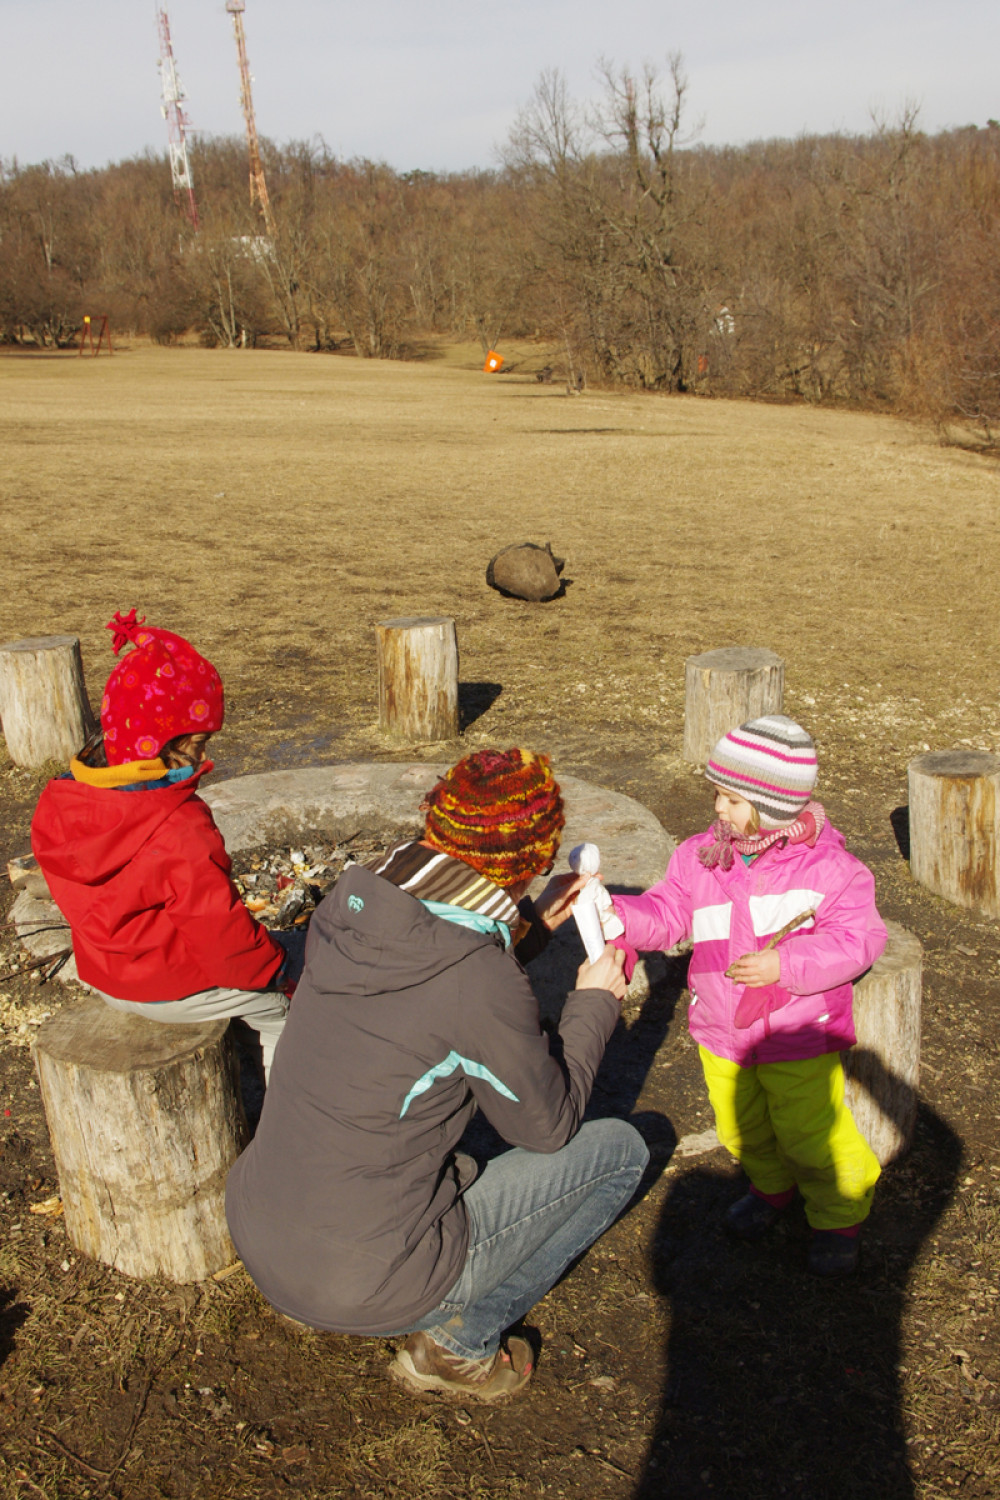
x,y
832,1254
423,1366
750,1217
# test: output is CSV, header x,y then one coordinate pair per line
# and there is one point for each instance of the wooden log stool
x,y
883,1068
418,678
145,1121
725,688
955,826
43,700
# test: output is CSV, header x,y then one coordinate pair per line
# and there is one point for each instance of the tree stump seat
x,y
418,677
43,699
955,826
725,688
145,1121
883,1067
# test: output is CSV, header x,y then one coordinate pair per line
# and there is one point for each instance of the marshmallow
x,y
585,859
595,916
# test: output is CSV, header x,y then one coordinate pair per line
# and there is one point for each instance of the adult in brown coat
x,y
353,1209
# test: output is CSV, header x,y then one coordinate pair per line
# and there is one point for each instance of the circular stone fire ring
x,y
337,801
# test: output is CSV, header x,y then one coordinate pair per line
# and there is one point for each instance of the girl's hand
x,y
553,904
756,970
607,973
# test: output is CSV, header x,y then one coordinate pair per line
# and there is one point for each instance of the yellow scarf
x,y
132,772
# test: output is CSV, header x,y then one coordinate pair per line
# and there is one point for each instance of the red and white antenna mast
x,y
172,92
258,187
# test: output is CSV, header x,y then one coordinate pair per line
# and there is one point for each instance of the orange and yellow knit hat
x,y
499,811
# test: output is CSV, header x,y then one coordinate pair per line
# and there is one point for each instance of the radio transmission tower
x,y
172,92
258,187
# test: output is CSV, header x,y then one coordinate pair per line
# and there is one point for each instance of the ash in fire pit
x,y
283,886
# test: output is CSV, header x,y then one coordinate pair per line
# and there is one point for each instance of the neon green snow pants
x,y
788,1125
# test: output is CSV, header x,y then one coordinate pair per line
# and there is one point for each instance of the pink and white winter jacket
x,y
732,912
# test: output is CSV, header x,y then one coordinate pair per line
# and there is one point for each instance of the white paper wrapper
x,y
585,859
588,922
611,922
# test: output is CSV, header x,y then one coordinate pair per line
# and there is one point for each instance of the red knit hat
x,y
500,811
160,690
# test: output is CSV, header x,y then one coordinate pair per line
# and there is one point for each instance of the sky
x,y
437,84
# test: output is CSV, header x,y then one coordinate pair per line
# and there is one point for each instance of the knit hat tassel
x,y
720,852
126,629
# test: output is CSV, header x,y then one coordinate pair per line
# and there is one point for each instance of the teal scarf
x,y
491,926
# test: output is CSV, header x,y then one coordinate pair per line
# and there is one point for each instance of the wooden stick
x,y
774,940
57,959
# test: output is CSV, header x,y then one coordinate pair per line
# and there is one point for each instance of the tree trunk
x,y
145,1121
883,1068
726,688
955,826
418,678
43,700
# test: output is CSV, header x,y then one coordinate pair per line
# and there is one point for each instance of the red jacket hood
x,y
143,879
87,834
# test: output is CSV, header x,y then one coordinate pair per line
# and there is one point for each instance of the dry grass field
x,y
273,506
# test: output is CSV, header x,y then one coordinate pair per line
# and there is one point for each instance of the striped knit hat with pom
x,y
499,811
771,763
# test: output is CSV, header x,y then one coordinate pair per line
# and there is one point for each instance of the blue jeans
x,y
530,1215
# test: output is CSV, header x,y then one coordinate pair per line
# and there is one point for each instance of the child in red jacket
x,y
135,862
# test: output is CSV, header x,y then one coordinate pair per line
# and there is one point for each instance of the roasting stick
x,y
775,939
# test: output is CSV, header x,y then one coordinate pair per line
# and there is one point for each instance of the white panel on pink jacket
x,y
770,913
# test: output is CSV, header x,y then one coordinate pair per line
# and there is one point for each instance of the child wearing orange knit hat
x,y
135,862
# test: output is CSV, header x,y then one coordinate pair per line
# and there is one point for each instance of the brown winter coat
x,y
346,1207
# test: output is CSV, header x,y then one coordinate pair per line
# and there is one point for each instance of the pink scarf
x,y
805,830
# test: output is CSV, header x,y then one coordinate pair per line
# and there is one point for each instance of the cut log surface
x,y
955,826
725,688
145,1122
883,1068
418,678
43,700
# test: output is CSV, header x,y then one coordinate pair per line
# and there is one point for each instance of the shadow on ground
x,y
899,820
474,700
775,1383
12,1314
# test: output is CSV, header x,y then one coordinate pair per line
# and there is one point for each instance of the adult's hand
x,y
606,973
553,905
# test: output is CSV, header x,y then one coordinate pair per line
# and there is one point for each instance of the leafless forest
x,y
856,270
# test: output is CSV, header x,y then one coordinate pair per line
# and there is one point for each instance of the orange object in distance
x,y
493,362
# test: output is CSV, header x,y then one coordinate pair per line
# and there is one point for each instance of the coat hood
x,y
387,940
86,835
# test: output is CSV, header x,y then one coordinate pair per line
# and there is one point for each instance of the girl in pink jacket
x,y
770,1021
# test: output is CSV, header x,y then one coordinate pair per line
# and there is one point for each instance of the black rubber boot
x,y
750,1217
833,1254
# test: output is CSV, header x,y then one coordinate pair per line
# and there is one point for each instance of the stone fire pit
x,y
336,802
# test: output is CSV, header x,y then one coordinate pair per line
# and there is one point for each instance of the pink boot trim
x,y
776,1200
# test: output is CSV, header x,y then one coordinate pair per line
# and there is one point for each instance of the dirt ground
x,y
273,507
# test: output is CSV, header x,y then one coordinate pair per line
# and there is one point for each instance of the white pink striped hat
x,y
771,762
